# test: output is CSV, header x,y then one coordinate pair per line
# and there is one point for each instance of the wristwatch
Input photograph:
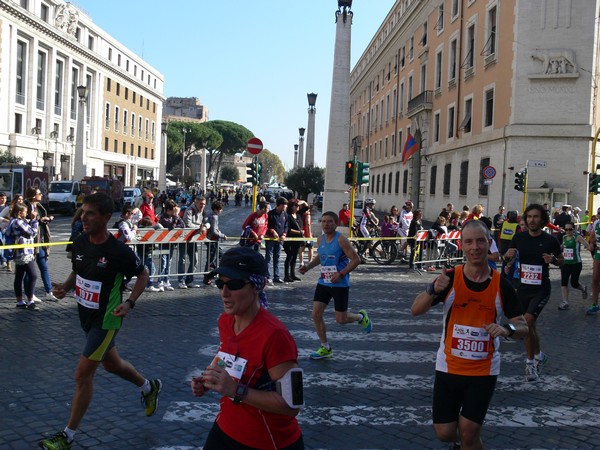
x,y
131,303
240,393
511,328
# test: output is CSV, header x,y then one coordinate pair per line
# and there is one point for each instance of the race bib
x,y
470,342
327,272
87,292
233,365
531,274
569,254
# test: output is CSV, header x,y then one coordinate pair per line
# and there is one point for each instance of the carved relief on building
x,y
555,63
66,18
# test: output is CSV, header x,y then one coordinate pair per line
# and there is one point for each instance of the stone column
x,y
301,148
295,156
80,163
338,139
310,132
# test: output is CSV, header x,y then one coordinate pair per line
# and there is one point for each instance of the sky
x,y
249,62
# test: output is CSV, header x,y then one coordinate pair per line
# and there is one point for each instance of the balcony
x,y
422,102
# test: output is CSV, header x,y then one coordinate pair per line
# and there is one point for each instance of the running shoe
x,y
50,297
59,441
152,289
193,285
32,307
150,400
321,353
365,322
182,285
592,310
531,372
584,293
564,305
168,287
22,305
539,363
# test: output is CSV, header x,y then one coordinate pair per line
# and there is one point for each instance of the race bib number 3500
x,y
470,342
87,292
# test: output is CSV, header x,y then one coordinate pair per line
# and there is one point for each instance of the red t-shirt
x,y
258,225
264,344
344,217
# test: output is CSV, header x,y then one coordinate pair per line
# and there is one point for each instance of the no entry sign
x,y
254,146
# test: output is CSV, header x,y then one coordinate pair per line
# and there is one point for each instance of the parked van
x,y
63,196
132,196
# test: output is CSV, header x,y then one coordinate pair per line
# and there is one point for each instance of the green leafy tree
x,y
271,166
234,141
198,137
306,180
8,158
229,173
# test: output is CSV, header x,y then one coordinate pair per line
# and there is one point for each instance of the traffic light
x,y
362,179
349,174
251,174
521,180
594,183
258,172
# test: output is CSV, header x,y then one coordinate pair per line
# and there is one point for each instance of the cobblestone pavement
x,y
375,393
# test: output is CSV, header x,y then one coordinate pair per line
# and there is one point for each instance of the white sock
x,y
326,345
539,356
530,361
70,433
146,387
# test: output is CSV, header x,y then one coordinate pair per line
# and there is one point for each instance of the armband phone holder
x,y
291,388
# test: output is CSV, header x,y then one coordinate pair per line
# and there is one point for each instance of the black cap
x,y
240,263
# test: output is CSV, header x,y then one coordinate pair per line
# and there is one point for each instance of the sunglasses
x,y
232,285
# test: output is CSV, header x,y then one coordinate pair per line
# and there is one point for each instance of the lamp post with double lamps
x,y
301,147
310,133
295,156
80,163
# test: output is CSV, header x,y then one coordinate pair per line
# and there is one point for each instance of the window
x,y
108,84
18,123
401,99
410,87
466,123
382,184
41,81
436,127
447,173
411,48
423,80
387,109
455,6
464,178
488,119
140,121
44,12
490,45
394,103
91,42
470,50
439,25
107,116
483,188
124,151
147,129
390,183
438,71
432,179
424,36
110,54
125,122
115,146
58,81
377,185
452,61
106,143
116,118
21,73
126,93
405,182
74,94
402,56
386,147
119,60
450,122
397,184
118,88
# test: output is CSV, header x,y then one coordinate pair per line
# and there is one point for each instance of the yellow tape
x,y
41,244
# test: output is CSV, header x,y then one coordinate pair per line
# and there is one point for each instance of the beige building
x,y
493,85
49,48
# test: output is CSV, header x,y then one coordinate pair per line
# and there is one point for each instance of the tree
x,y
305,180
8,157
229,173
271,166
234,137
198,137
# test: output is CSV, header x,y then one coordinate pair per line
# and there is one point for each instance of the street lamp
x,y
54,135
184,131
80,166
310,135
295,156
162,174
301,146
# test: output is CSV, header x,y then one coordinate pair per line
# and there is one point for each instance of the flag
x,y
410,148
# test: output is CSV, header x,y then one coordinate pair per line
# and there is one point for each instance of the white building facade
x,y
49,48
480,84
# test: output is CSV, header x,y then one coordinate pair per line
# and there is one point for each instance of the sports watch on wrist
x,y
240,393
131,303
511,328
430,289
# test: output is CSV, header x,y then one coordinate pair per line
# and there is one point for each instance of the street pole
x,y
184,131
255,184
525,183
593,170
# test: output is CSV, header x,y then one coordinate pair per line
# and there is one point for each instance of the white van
x,y
62,196
132,196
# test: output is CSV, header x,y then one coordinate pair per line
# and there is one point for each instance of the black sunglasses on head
x,y
232,285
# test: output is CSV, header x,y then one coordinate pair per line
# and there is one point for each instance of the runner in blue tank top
x,y
337,259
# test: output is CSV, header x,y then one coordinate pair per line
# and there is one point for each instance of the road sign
x,y
254,146
537,163
489,172
488,181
